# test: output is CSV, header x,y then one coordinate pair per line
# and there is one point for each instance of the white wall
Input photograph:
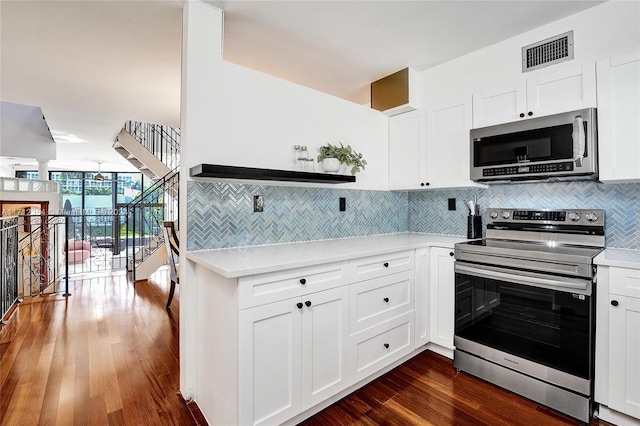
x,y
263,117
241,117
601,31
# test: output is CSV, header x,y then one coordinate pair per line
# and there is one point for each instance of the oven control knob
x,y
506,215
574,217
591,217
493,215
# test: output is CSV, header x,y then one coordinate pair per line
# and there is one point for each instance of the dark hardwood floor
x,y
108,355
427,390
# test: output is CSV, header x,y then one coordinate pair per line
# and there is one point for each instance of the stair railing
x,y
162,141
8,264
144,217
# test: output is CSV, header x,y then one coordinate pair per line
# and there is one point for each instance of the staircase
x,y
155,151
151,148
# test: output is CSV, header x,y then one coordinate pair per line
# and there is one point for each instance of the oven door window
x,y
550,327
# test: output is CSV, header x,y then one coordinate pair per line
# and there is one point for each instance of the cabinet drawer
x,y
624,281
378,300
379,266
274,286
377,347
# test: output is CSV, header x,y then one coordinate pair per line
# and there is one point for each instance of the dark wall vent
x,y
548,52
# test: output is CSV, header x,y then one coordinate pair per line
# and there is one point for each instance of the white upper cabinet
x,y
407,157
431,150
499,105
448,146
618,123
545,94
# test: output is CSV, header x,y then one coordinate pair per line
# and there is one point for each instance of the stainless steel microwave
x,y
556,147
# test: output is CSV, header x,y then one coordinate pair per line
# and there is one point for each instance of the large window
x,y
94,203
82,193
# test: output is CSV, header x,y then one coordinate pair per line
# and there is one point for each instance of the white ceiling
x,y
92,65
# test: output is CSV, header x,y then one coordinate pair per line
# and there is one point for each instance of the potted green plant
x,y
340,155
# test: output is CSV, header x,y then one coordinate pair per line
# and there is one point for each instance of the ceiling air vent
x,y
548,52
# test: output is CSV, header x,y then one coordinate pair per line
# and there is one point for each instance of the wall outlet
x,y
258,203
452,203
343,204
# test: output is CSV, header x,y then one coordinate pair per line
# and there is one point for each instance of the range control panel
x,y
584,217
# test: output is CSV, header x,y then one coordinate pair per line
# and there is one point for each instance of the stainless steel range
x,y
525,305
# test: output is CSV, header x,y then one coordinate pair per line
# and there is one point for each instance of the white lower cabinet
x,y
441,290
293,354
617,380
325,345
377,347
624,354
347,321
423,308
381,299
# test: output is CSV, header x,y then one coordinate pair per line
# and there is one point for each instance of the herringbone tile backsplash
x,y
428,209
221,215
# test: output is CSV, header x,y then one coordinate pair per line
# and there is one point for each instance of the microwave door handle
x,y
578,137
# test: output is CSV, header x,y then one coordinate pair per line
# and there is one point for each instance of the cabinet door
x,y
407,156
422,296
499,105
546,93
448,144
624,355
618,112
561,91
270,359
325,345
442,288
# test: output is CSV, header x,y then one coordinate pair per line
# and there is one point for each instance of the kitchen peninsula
x,y
285,330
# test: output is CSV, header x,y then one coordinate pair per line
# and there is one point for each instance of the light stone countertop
x,y
622,258
243,261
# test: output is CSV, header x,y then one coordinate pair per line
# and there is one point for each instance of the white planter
x,y
331,165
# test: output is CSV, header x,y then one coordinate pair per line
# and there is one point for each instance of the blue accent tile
x,y
221,215
621,202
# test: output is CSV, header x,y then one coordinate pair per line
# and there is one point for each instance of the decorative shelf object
x,y
251,173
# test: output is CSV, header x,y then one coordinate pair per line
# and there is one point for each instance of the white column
x,y
43,169
200,112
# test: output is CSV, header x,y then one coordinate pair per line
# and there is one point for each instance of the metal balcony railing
x,y
8,264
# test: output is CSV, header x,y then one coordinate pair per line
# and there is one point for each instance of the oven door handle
x,y
566,285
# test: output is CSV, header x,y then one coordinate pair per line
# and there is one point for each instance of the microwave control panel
x,y
565,166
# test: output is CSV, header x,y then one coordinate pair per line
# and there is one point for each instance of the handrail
x,y
162,141
8,264
156,204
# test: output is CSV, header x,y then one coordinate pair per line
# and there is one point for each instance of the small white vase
x,y
331,165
